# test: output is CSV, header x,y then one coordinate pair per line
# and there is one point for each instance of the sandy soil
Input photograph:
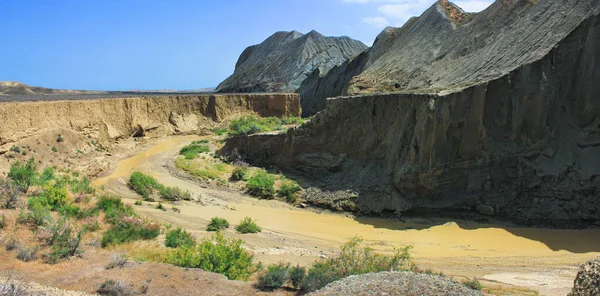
x,y
509,260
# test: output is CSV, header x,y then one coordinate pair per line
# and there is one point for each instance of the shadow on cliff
x,y
571,240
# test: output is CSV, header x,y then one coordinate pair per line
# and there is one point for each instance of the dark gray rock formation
x,y
283,61
446,50
588,279
522,145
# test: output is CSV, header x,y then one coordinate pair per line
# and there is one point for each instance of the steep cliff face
x,y
524,146
284,60
446,50
116,118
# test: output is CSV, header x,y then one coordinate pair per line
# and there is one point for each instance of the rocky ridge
x,y
446,50
283,61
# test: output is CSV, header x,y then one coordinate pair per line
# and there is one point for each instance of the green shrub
x,y
204,141
217,223
27,254
216,254
178,237
91,226
47,175
23,174
53,196
114,209
319,275
274,278
65,245
354,260
138,203
59,139
38,215
143,184
473,284
292,120
192,150
261,185
220,131
240,174
81,186
54,149
174,193
9,194
2,221
128,230
297,275
15,149
247,225
288,190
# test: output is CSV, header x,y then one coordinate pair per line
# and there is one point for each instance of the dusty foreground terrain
x,y
518,259
507,260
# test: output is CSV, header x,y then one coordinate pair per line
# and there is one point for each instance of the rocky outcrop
x,y
446,50
588,279
524,146
396,283
143,116
283,61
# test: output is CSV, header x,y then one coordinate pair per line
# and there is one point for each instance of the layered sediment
x,y
115,118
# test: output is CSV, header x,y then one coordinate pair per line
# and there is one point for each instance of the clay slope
x,y
112,119
446,50
522,145
17,88
282,61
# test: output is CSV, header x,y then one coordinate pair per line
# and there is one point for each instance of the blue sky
x,y
152,44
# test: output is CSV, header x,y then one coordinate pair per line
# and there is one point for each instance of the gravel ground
x,y
396,283
9,286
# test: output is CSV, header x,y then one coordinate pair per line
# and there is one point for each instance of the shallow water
x,y
429,237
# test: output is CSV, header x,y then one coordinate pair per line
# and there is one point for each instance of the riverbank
x,y
540,259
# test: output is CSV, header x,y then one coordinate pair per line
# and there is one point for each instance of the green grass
x,y
247,225
24,175
288,190
143,184
191,151
274,278
473,284
240,174
179,238
261,185
216,254
217,224
250,124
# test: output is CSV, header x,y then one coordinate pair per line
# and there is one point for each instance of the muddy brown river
x,y
540,259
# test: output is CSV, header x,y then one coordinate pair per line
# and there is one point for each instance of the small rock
x,y
485,210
